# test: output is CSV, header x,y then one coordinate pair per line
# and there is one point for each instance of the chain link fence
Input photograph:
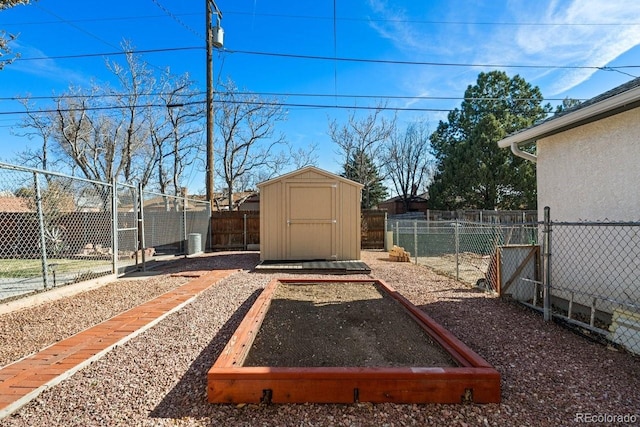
x,y
594,280
586,275
57,229
174,225
462,250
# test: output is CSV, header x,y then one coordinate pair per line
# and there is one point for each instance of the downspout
x,y
518,152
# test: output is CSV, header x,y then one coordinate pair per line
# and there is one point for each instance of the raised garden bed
x,y
344,341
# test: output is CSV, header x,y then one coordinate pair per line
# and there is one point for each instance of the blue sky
x,y
427,53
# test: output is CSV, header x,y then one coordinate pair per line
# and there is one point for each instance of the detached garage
x,y
310,214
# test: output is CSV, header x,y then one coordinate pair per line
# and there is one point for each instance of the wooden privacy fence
x,y
235,230
373,223
240,230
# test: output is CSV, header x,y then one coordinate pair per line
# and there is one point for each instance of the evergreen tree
x,y
361,168
472,172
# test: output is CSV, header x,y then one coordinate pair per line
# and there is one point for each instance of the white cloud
x,y
581,37
44,68
395,28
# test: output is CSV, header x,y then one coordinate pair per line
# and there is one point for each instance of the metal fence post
x,y
397,242
114,225
385,244
43,240
457,243
210,228
415,240
141,243
184,226
546,264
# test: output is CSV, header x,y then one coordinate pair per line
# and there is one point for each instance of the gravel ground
x,y
550,376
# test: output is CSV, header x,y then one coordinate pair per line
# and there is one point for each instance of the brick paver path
x,y
25,379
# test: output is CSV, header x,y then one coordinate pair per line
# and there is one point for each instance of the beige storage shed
x,y
310,214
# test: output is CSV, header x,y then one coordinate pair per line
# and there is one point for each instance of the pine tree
x,y
472,172
361,168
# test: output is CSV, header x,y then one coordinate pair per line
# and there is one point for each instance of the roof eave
x,y
608,107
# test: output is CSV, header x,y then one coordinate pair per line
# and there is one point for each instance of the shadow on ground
x,y
189,398
210,261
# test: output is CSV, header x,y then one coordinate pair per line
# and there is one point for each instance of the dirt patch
x,y
471,267
345,324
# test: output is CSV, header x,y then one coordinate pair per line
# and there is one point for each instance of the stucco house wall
x,y
592,172
588,170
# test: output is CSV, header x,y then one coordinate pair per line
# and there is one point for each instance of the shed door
x,y
311,221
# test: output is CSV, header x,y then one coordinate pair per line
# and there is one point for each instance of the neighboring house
x,y
588,170
15,204
168,204
395,205
250,203
18,226
222,200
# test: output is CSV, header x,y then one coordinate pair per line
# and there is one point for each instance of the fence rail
x,y
57,229
484,216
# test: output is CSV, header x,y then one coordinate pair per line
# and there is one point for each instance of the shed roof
x,y
314,169
617,100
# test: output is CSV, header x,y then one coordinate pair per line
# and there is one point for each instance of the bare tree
x,y
360,143
142,130
5,39
35,125
407,161
175,135
6,4
136,82
302,157
250,149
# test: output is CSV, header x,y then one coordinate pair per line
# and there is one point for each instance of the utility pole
x,y
213,39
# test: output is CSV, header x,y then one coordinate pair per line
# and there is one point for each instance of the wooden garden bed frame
x,y
474,380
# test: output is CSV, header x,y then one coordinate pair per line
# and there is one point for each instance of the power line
x,y
178,20
285,94
242,102
91,20
124,52
71,24
617,68
90,34
327,18
439,22
438,64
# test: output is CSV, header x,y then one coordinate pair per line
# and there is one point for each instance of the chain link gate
x,y
57,229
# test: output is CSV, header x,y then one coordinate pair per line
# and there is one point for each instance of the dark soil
x,y
341,324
